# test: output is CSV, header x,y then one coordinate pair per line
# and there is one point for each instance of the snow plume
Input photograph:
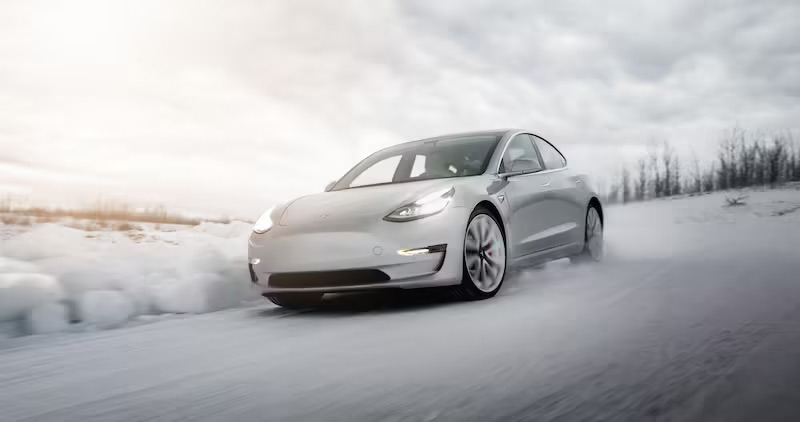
x,y
56,278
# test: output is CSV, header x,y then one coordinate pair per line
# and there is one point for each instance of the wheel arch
x,y
596,203
496,214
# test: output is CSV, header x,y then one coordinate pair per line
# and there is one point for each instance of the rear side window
x,y
520,155
550,155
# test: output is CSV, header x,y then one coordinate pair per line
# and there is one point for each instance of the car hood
x,y
357,204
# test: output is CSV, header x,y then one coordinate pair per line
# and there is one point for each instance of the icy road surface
x,y
694,316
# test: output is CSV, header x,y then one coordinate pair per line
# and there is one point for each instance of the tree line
x,y
744,159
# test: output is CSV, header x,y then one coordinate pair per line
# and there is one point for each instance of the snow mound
x,y
52,275
47,318
8,265
195,294
20,292
104,308
199,260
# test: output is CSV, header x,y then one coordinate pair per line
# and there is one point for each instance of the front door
x,y
529,194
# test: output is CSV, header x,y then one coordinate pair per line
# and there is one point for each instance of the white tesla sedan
x,y
454,210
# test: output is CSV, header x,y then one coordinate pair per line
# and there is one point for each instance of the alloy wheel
x,y
594,234
485,253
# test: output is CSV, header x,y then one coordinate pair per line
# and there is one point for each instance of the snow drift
x,y
56,278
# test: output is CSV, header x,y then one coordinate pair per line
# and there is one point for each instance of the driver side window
x,y
520,156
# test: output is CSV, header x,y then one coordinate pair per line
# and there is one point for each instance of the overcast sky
x,y
230,106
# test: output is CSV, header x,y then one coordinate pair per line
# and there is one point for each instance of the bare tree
x,y
759,166
641,182
743,159
796,160
625,185
776,156
793,162
666,159
655,173
791,158
733,146
696,177
747,160
677,187
728,170
709,179
613,194
723,175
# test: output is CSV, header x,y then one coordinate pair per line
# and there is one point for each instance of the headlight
x,y
424,207
264,222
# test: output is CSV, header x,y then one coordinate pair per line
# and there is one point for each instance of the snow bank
x,y
53,278
20,292
104,308
197,293
13,266
47,318
660,219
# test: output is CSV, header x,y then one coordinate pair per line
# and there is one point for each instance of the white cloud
x,y
228,107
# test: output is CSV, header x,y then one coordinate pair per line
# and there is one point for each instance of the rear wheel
x,y
295,300
593,237
484,266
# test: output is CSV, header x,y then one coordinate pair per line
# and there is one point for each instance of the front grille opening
x,y
327,278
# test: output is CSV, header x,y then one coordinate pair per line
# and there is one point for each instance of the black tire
x,y
295,300
467,289
587,255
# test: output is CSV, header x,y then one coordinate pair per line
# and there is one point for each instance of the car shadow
x,y
383,301
399,300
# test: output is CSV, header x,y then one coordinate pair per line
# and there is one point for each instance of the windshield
x,y
424,160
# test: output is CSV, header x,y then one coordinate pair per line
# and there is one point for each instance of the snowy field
x,y
678,226
57,278
694,316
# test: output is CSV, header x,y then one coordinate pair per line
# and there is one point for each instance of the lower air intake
x,y
327,278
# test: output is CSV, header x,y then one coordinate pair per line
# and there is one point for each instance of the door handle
x,y
578,181
546,184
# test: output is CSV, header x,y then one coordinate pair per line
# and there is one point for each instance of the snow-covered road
x,y
692,317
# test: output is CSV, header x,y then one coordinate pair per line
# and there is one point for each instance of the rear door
x,y
564,200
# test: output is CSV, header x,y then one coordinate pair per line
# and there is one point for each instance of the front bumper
x,y
354,248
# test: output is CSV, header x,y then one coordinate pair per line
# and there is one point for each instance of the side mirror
x,y
330,186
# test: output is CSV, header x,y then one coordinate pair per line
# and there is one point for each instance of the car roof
x,y
493,132
496,132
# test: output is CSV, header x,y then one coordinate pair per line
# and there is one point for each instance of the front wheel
x,y
484,266
295,300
